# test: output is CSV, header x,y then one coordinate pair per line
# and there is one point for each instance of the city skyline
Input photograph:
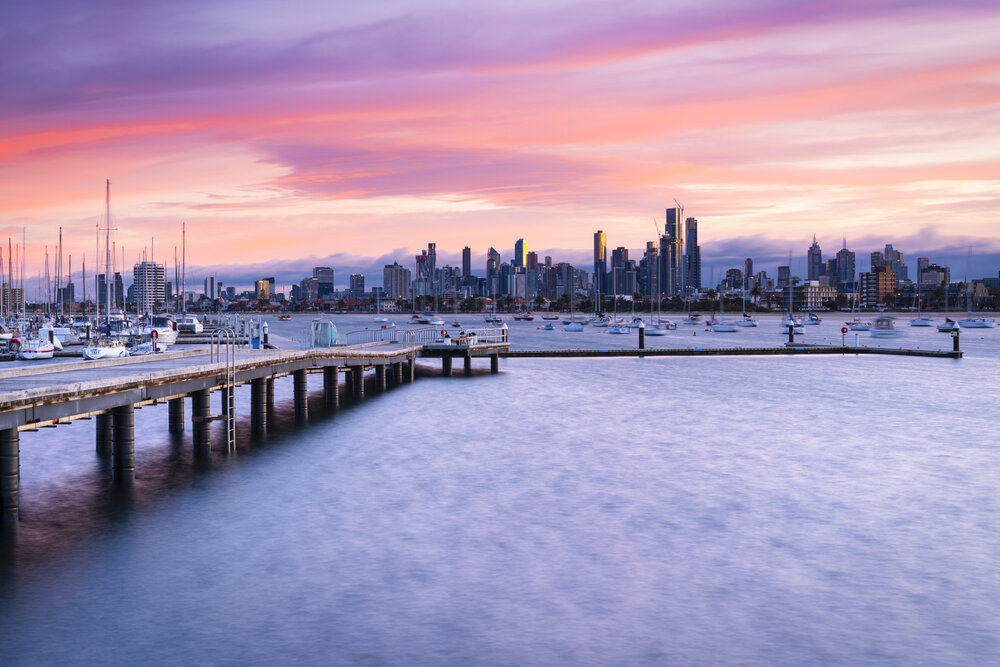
x,y
379,127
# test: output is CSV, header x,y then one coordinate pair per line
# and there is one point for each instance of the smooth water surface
x,y
725,510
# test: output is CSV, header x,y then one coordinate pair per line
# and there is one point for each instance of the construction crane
x,y
680,206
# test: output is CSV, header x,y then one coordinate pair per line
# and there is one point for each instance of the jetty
x,y
109,391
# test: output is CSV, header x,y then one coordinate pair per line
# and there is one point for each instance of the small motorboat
x,y
885,327
921,322
948,326
105,348
573,326
813,319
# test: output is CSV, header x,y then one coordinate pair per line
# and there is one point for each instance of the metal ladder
x,y
223,342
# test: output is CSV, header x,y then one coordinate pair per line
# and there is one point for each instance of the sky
x,y
292,134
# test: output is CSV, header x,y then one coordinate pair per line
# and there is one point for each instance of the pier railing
x,y
421,335
381,335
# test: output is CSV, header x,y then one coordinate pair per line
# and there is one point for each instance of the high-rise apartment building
x,y
466,262
147,278
672,267
357,285
814,260
532,261
493,271
396,281
692,260
324,281
845,269
600,263
894,260
520,254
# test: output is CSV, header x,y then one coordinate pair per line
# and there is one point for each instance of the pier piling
x,y
358,380
269,393
102,434
494,363
301,394
123,443
258,405
411,363
446,366
175,406
467,362
331,386
10,474
201,421
380,377
397,373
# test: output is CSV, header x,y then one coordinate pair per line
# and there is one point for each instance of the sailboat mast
x,y
183,268
107,258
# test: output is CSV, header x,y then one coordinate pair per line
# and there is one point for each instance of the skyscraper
x,y
600,263
520,254
747,273
692,260
147,277
324,281
466,262
492,271
672,254
357,285
814,260
395,281
845,269
894,260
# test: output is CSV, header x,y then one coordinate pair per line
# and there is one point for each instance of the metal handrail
x,y
225,339
422,335
381,335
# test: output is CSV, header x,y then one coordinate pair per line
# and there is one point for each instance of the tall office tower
x,y
747,273
119,290
324,281
894,260
814,260
357,285
672,269
263,289
432,260
784,276
600,263
922,264
878,259
692,260
520,254
648,274
396,281
148,280
532,260
845,268
619,260
466,262
492,271
211,290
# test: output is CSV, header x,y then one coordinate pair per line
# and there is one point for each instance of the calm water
x,y
839,510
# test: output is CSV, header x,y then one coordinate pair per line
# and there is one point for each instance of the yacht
x,y
921,322
37,348
975,322
794,324
948,326
105,348
572,326
190,324
885,328
858,324
163,325
813,319
724,326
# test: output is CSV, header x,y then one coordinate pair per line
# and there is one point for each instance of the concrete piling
x,y
123,443
380,377
468,365
175,406
10,477
301,394
494,363
258,405
358,380
201,421
331,386
102,434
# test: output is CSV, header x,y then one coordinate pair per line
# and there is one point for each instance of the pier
x,y
730,352
109,391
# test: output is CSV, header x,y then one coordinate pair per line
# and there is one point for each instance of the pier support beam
x,y
258,405
468,365
494,363
397,372
175,406
301,393
331,386
380,377
200,421
10,477
446,366
358,380
102,434
412,363
269,392
123,443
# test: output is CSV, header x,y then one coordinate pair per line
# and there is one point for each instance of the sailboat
x,y
720,325
856,323
919,320
972,320
107,345
379,317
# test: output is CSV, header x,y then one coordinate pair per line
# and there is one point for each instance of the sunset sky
x,y
290,134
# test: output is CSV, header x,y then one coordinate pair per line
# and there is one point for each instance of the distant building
x,y
845,269
324,281
935,275
262,289
692,260
147,281
466,262
876,286
814,259
396,281
894,260
812,295
600,262
672,254
357,285
520,254
493,271
784,276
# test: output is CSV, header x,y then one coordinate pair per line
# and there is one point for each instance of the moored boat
x,y
36,348
105,348
885,327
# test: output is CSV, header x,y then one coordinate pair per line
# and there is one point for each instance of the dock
x,y
729,352
109,391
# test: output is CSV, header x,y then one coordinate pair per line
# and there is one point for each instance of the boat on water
x,y
456,323
859,325
548,327
191,324
885,327
285,317
660,328
600,321
619,328
550,317
692,319
921,322
493,320
65,335
105,348
948,326
525,317
141,348
974,321
724,326
813,319
795,325
163,325
573,326
35,347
